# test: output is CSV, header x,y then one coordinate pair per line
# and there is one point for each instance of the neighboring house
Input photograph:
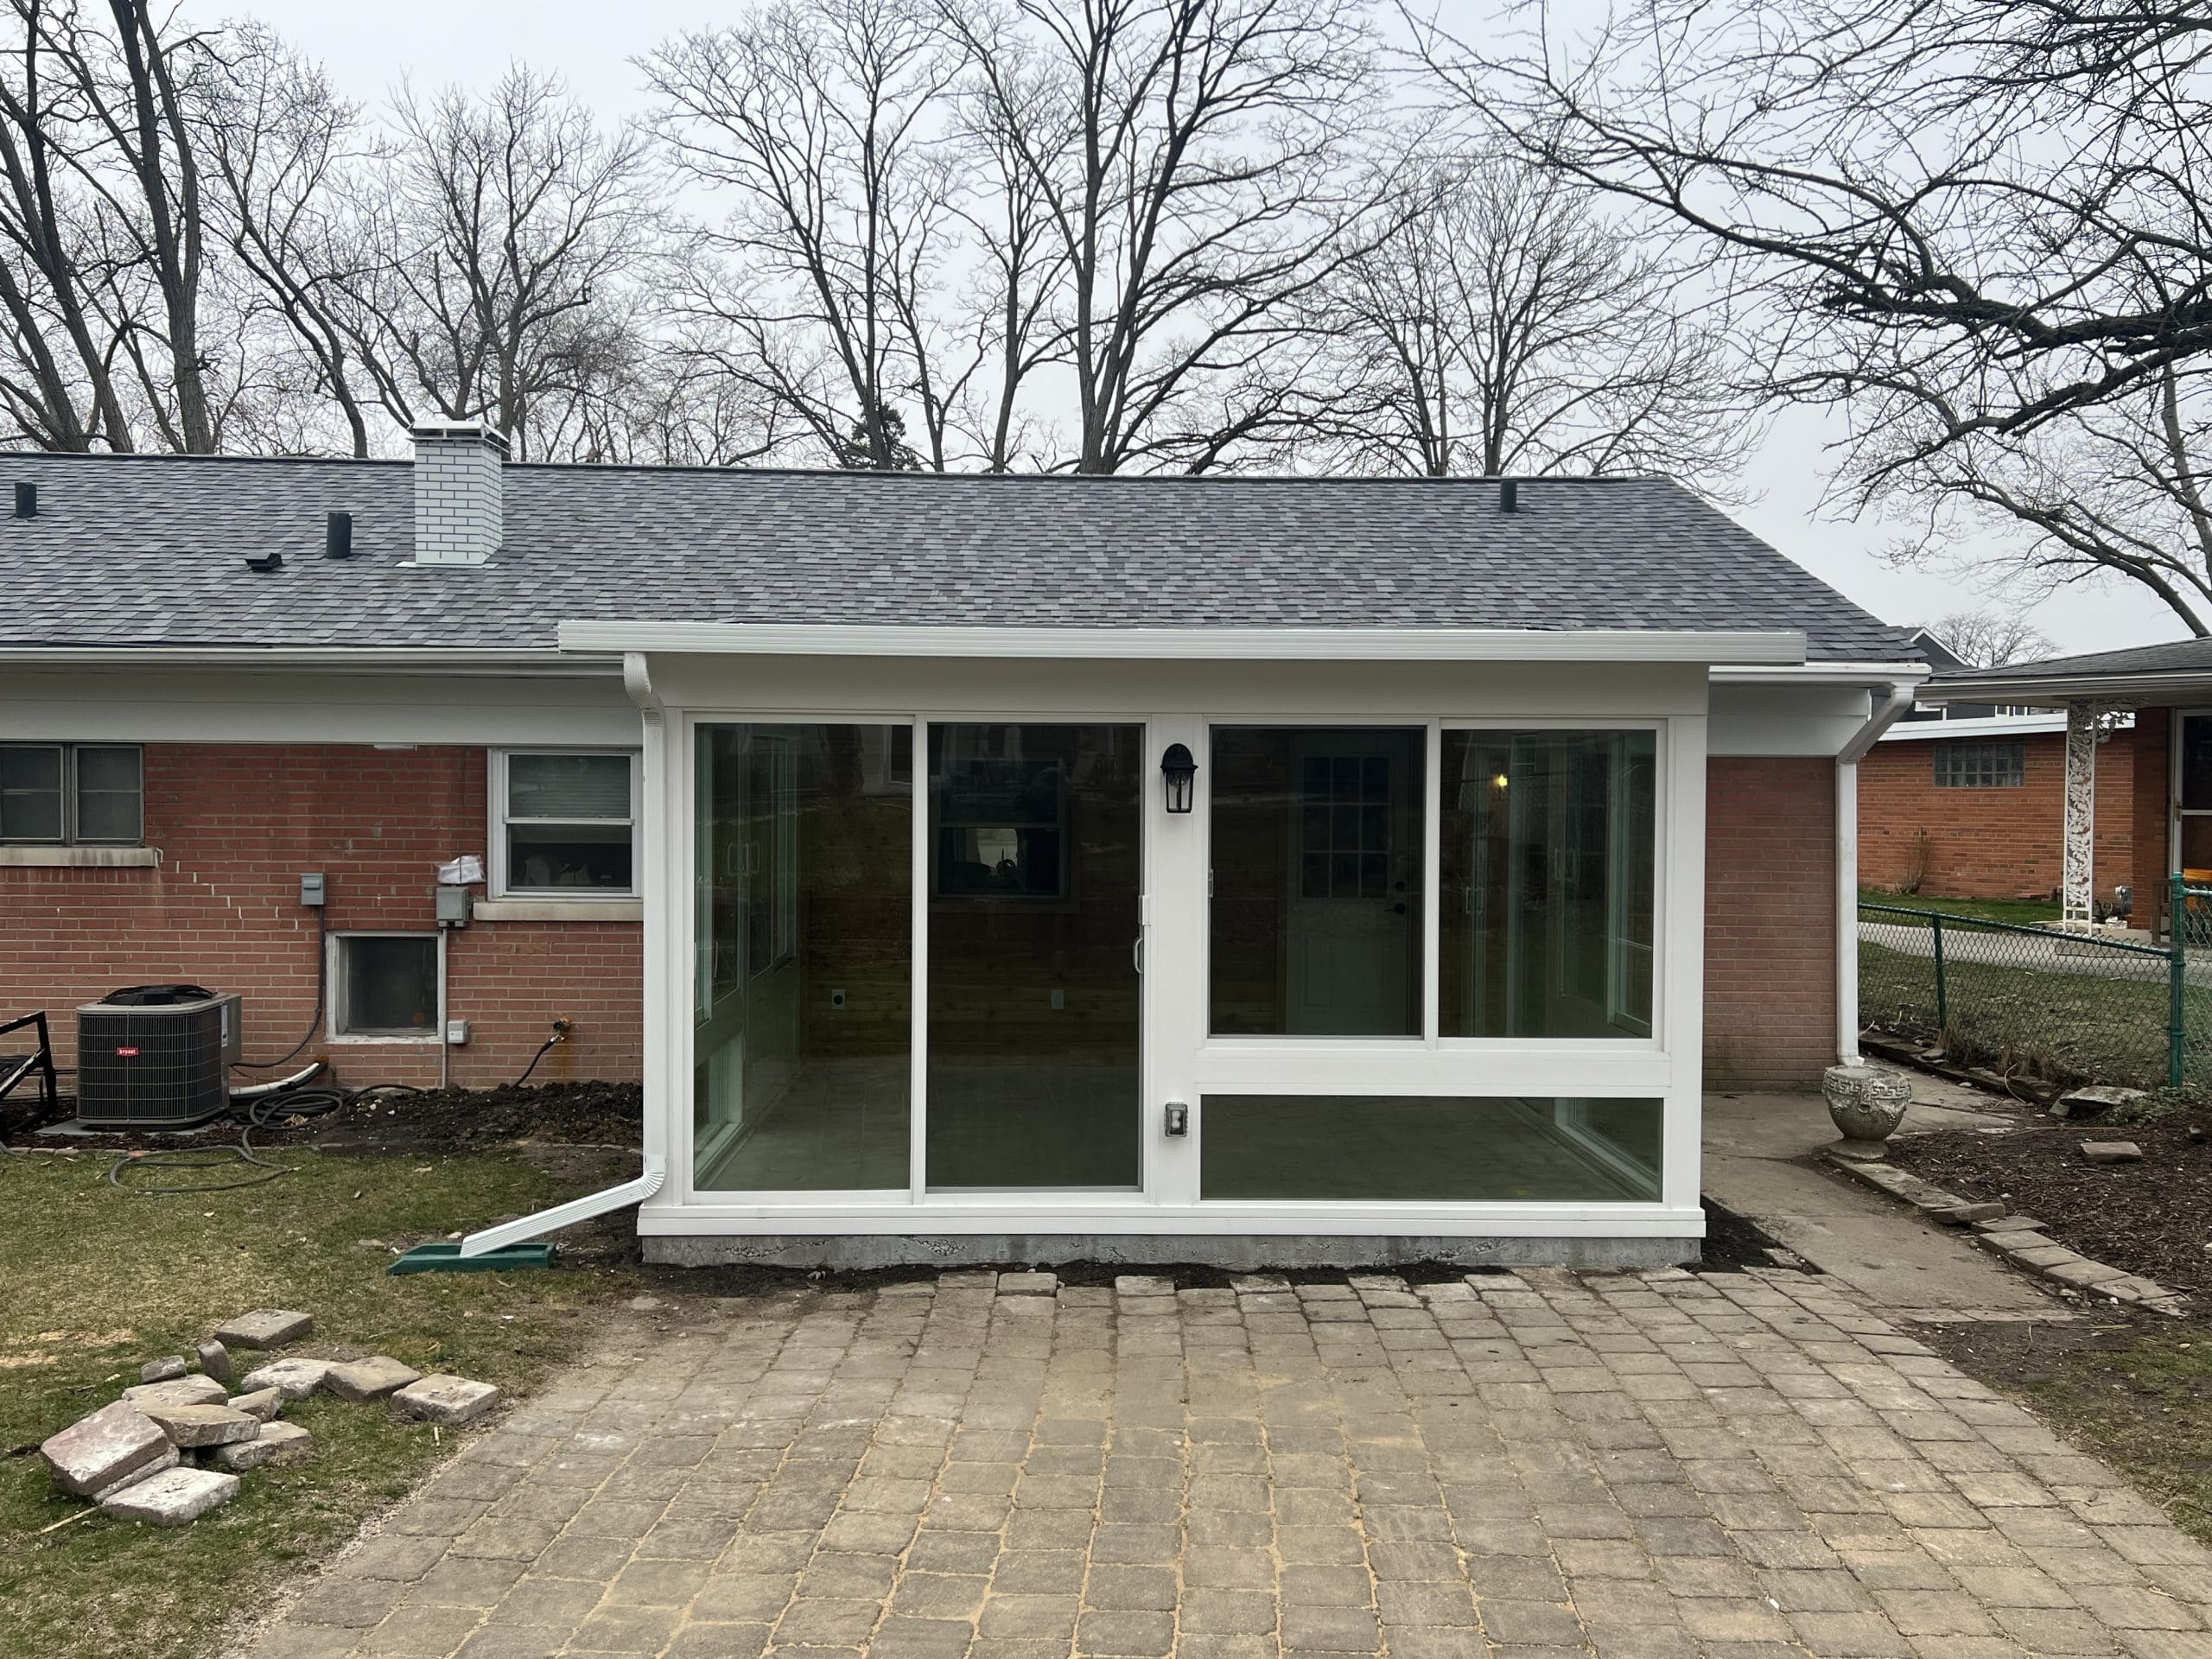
x,y
971,866
1974,807
2144,714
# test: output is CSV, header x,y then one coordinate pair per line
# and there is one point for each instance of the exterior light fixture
x,y
1180,774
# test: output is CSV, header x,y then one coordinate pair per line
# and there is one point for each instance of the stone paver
x,y
1662,1465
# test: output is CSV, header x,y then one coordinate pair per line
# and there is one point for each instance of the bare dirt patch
x,y
2152,1217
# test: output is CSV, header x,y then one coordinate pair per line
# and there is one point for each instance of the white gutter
x,y
329,659
1887,711
653,1135
1199,645
1851,674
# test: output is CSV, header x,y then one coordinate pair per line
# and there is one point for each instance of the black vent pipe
x,y
1508,495
26,500
338,537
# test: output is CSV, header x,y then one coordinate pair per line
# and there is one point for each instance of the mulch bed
x,y
2152,1218
446,1119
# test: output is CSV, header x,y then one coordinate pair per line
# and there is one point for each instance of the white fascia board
x,y
1996,726
329,659
2129,691
1196,644
1752,672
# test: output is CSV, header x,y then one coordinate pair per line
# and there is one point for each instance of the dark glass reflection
x,y
804,964
1547,871
1317,881
1035,869
1429,1150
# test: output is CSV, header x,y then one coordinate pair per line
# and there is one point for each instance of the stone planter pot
x,y
1867,1103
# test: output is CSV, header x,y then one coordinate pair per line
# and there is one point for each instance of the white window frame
x,y
496,865
69,836
335,972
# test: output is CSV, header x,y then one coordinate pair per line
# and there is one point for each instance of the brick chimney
x,y
459,498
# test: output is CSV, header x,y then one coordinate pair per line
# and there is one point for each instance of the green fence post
x,y
2176,980
1942,1007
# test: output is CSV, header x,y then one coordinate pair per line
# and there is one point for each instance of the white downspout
x,y
653,1170
1887,711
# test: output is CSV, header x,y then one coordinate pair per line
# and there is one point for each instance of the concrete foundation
x,y
1237,1250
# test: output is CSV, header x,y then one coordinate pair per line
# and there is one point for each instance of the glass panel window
x,y
387,985
1033,1025
804,957
2196,763
110,794
1547,870
1315,920
570,823
1981,766
30,792
1330,1148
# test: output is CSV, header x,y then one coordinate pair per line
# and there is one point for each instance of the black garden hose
x,y
255,1112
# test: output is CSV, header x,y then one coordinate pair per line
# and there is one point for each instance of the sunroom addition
x,y
1172,950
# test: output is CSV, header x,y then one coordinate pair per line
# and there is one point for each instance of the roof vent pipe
x,y
26,500
338,535
460,492
1508,495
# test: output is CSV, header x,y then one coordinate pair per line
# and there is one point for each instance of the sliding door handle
x,y
1136,953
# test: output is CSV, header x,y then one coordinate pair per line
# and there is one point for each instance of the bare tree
x,y
503,232
1991,638
1977,226
823,124
1196,162
1508,327
101,284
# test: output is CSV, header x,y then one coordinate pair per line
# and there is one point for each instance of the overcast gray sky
x,y
370,48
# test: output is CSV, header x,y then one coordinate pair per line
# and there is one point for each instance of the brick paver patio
x,y
1644,1466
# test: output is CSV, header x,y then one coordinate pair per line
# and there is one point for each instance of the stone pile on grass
x,y
173,1447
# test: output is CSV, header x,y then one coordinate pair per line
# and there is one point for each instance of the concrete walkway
x,y
1655,1467
1755,1148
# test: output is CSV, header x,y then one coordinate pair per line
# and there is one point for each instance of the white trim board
x,y
1924,731
1228,644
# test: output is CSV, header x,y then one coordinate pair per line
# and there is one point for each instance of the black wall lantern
x,y
1181,774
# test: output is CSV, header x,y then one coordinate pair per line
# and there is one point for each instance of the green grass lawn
x,y
2029,912
2139,1394
93,1282
2104,1029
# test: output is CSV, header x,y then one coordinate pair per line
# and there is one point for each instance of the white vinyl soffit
x,y
1198,644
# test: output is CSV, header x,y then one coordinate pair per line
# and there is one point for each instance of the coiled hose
x,y
254,1108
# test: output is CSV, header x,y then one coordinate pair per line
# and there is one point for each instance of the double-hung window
x,y
566,823
72,794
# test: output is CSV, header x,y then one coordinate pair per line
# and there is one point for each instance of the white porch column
x,y
2086,726
1884,709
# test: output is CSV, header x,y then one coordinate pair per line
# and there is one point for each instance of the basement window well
x,y
385,986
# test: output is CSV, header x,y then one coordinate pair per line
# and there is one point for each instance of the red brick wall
x,y
237,824
1769,921
1988,843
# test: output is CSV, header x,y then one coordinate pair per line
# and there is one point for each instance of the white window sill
x,y
390,1039
550,909
80,858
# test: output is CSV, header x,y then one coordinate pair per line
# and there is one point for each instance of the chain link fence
x,y
2043,1004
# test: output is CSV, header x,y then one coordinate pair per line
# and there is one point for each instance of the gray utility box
x,y
156,1057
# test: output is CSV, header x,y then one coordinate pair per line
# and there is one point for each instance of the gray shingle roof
x,y
130,551
2178,656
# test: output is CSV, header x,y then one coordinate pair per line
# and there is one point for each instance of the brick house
x,y
986,866
2135,731
1975,808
